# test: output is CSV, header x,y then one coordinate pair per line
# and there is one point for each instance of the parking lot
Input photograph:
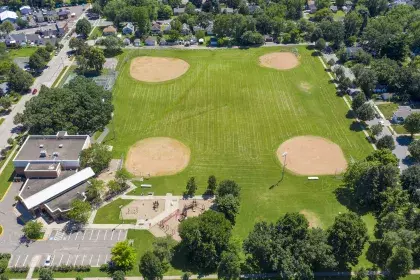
x,y
57,259
90,235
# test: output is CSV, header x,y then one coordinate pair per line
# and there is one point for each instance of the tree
x,y
83,27
191,187
229,266
114,187
412,123
80,107
122,176
112,44
228,187
94,191
5,103
10,141
79,45
164,12
229,206
384,157
352,24
320,44
19,80
79,278
376,129
36,62
42,52
205,238
2,276
123,256
118,275
49,47
32,230
142,19
18,119
45,274
95,58
400,263
365,112
358,101
163,248
7,27
347,236
97,156
211,185
3,265
151,267
386,142
80,211
410,181
367,81
250,38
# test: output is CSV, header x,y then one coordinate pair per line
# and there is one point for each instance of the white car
x,y
47,261
382,122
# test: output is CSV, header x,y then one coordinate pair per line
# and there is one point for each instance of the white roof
x,y
24,7
59,188
7,14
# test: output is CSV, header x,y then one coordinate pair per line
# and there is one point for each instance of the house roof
x,y
63,202
137,40
227,10
24,7
71,147
179,10
7,14
57,188
150,39
110,29
129,25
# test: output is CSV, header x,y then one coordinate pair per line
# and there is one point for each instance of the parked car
x,y
48,261
34,91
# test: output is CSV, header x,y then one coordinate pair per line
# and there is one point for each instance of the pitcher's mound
x,y
311,155
279,60
157,156
157,69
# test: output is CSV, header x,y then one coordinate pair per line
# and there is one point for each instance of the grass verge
x,y
388,109
59,76
6,177
399,129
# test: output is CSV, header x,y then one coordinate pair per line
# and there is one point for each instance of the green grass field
x,y
388,109
233,114
6,177
22,52
110,214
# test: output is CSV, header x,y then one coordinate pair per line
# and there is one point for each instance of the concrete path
x,y
8,159
102,136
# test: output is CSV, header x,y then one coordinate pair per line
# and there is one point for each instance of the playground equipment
x,y
193,205
155,205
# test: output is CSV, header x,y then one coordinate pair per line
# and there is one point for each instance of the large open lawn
x,y
233,115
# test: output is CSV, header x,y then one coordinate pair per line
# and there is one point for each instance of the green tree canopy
x,y
32,230
97,156
80,211
151,267
400,263
229,206
410,181
80,107
228,187
123,256
19,80
45,274
191,187
386,142
83,27
412,123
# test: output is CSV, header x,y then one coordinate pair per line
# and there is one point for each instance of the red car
x,y
34,91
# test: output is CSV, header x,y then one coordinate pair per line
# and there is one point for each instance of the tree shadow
x,y
180,259
350,114
347,198
310,47
404,140
378,253
356,126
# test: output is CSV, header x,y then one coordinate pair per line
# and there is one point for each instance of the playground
x,y
143,209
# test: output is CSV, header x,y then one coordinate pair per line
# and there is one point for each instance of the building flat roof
x,y
57,188
42,166
72,145
63,202
33,186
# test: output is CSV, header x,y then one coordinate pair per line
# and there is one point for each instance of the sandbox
x,y
143,209
279,60
157,69
311,155
157,156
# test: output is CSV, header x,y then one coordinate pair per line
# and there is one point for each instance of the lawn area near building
x,y
97,32
6,177
399,129
110,214
388,109
1,120
233,131
22,52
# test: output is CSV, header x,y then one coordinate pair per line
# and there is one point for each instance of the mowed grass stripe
x,y
233,115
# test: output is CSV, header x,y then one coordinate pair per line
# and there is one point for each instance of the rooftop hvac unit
x,y
60,146
43,153
55,154
41,145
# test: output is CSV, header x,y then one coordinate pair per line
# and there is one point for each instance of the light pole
x,y
284,155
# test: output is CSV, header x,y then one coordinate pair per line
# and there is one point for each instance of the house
x,y
137,42
345,9
402,113
63,14
352,51
39,17
9,16
197,28
386,96
126,41
156,29
110,30
209,29
50,15
25,10
185,30
4,8
178,11
128,29
268,39
162,42
226,11
35,39
334,9
166,28
150,41
4,88
312,8
253,8
62,28
15,39
51,166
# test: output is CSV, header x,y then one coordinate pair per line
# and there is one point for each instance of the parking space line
x,y
52,259
67,263
125,234
76,235
97,236
17,261
11,260
90,259
83,260
61,259
105,234
97,263
106,259
77,256
119,232
112,235
90,238
83,238
24,262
